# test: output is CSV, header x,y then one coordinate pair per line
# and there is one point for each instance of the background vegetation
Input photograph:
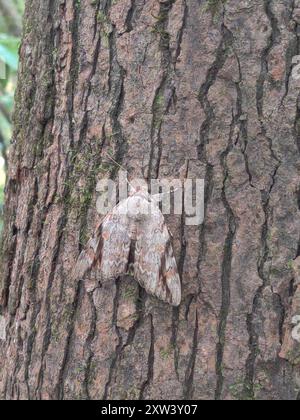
x,y
11,12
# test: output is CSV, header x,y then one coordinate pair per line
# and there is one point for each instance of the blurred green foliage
x,y
11,12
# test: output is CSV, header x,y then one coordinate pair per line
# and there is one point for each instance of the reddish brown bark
x,y
155,83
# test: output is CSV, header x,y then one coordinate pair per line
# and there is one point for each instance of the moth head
x,y
138,207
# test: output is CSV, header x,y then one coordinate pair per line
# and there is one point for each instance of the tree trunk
x,y
155,83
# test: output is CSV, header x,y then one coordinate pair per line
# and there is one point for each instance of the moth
x,y
134,236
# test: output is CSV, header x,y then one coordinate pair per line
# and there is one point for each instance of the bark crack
x,y
212,74
189,376
273,40
59,388
297,119
74,66
165,91
48,329
266,197
243,123
130,17
181,31
119,346
292,50
116,88
151,358
89,341
183,252
253,335
226,268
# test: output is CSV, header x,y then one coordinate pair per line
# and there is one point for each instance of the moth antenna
x,y
121,167
114,161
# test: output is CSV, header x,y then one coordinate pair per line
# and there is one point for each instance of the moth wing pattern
x,y
109,248
155,266
125,239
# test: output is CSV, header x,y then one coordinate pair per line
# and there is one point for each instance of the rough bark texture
x,y
155,83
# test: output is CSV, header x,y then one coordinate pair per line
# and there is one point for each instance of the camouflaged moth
x,y
134,236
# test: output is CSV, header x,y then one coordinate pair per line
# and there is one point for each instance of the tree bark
x,y
155,83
